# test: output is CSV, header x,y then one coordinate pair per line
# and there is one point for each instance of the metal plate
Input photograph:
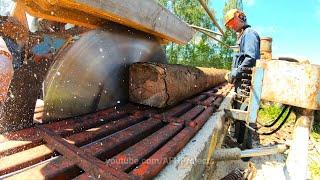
x,y
291,83
92,73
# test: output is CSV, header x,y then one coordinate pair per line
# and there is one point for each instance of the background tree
x,y
201,50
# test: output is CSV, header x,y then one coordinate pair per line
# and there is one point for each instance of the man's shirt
x,y
248,54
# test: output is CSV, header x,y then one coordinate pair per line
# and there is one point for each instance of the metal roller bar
x,y
145,147
94,122
96,133
178,110
24,159
162,156
12,147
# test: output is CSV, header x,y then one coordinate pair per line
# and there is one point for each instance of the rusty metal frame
x,y
87,162
127,132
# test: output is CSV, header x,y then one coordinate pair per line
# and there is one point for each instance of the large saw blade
x,y
92,73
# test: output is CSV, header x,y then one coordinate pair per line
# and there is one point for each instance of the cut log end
x,y
147,85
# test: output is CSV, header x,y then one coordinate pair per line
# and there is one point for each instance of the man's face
x,y
235,24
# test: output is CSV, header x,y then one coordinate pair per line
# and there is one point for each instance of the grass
x,y
270,112
316,127
315,135
315,170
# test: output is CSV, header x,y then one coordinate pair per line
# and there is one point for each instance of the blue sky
x,y
294,25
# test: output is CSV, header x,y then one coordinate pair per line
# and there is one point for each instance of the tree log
x,y
161,85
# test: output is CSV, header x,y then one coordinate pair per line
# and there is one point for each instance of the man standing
x,y
249,42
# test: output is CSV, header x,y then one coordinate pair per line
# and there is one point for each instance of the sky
x,y
294,25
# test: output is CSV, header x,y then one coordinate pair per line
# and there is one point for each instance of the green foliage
x,y
316,127
314,166
267,112
201,50
315,170
232,4
226,53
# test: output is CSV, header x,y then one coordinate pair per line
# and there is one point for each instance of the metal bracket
x,y
236,153
255,95
236,114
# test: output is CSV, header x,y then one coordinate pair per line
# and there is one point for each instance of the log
x,y
161,85
144,15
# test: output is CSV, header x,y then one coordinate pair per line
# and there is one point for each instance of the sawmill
x,y
93,96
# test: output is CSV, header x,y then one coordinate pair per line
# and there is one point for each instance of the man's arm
x,y
251,52
6,70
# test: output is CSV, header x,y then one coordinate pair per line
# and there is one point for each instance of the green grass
x,y
315,135
316,127
315,170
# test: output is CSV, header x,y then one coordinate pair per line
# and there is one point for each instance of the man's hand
x,y
6,70
229,78
3,45
4,49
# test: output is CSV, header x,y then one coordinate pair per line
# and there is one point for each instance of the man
x,y
249,42
6,70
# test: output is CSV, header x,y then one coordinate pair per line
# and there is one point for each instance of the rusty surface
x,y
135,154
103,130
266,48
148,170
125,138
303,80
12,147
24,159
87,162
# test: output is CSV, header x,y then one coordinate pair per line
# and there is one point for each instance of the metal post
x,y
296,164
255,95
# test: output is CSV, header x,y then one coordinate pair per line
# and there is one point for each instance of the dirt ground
x,y
267,167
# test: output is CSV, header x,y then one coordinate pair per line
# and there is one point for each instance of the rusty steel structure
x,y
124,142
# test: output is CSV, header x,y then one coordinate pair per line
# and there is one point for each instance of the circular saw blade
x,y
92,73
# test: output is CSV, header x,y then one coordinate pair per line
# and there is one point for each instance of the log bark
x,y
161,85
144,15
